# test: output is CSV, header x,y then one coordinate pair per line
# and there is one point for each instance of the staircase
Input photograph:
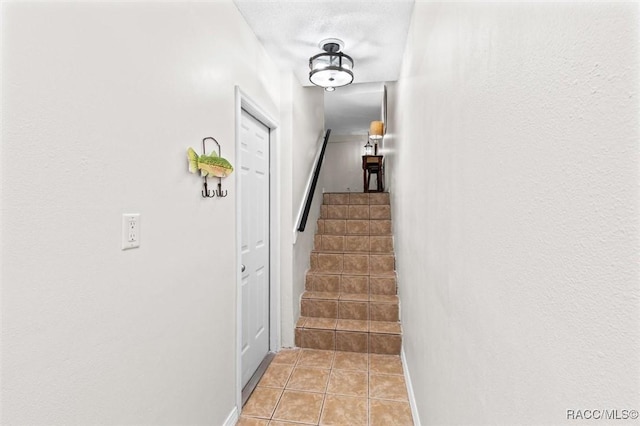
x,y
350,301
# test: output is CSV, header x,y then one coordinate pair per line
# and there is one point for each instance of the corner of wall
x,y
412,397
304,126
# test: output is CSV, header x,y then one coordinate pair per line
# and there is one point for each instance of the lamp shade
x,y
376,130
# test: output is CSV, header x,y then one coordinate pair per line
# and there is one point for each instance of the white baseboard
x,y
232,418
412,397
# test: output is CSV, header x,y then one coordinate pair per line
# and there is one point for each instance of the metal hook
x,y
219,191
213,139
205,192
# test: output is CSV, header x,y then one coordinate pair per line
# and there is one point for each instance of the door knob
x,y
243,268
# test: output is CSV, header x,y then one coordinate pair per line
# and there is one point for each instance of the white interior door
x,y
254,204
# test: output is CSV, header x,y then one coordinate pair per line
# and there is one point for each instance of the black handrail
x,y
312,188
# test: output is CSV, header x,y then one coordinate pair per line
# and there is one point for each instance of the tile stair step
x,y
353,243
347,283
355,212
382,337
311,272
340,270
350,306
374,255
355,198
373,227
384,327
340,242
353,263
325,295
367,251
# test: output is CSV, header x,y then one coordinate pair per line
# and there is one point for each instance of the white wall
x,y
342,168
100,102
303,115
514,150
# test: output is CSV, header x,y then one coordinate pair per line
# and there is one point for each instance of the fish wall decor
x,y
209,165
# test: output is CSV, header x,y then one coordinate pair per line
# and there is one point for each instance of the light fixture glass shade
x,y
376,130
368,149
332,68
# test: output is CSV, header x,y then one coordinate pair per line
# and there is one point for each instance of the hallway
x,y
327,388
513,167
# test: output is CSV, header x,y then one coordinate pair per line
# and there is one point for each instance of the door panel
x,y
254,204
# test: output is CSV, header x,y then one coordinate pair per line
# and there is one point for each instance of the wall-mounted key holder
x,y
210,165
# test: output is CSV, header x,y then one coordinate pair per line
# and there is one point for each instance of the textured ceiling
x,y
374,33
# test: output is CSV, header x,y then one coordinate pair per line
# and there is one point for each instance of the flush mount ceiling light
x,y
332,68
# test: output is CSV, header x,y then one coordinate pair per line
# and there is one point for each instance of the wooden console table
x,y
373,164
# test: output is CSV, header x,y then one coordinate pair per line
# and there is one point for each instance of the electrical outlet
x,y
130,230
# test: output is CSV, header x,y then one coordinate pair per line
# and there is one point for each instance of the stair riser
x,y
336,211
354,227
338,283
353,243
352,284
383,285
355,198
322,282
349,309
349,341
357,264
384,312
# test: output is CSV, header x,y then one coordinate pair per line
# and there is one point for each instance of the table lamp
x,y
376,131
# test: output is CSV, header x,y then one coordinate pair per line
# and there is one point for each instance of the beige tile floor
x,y
313,387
